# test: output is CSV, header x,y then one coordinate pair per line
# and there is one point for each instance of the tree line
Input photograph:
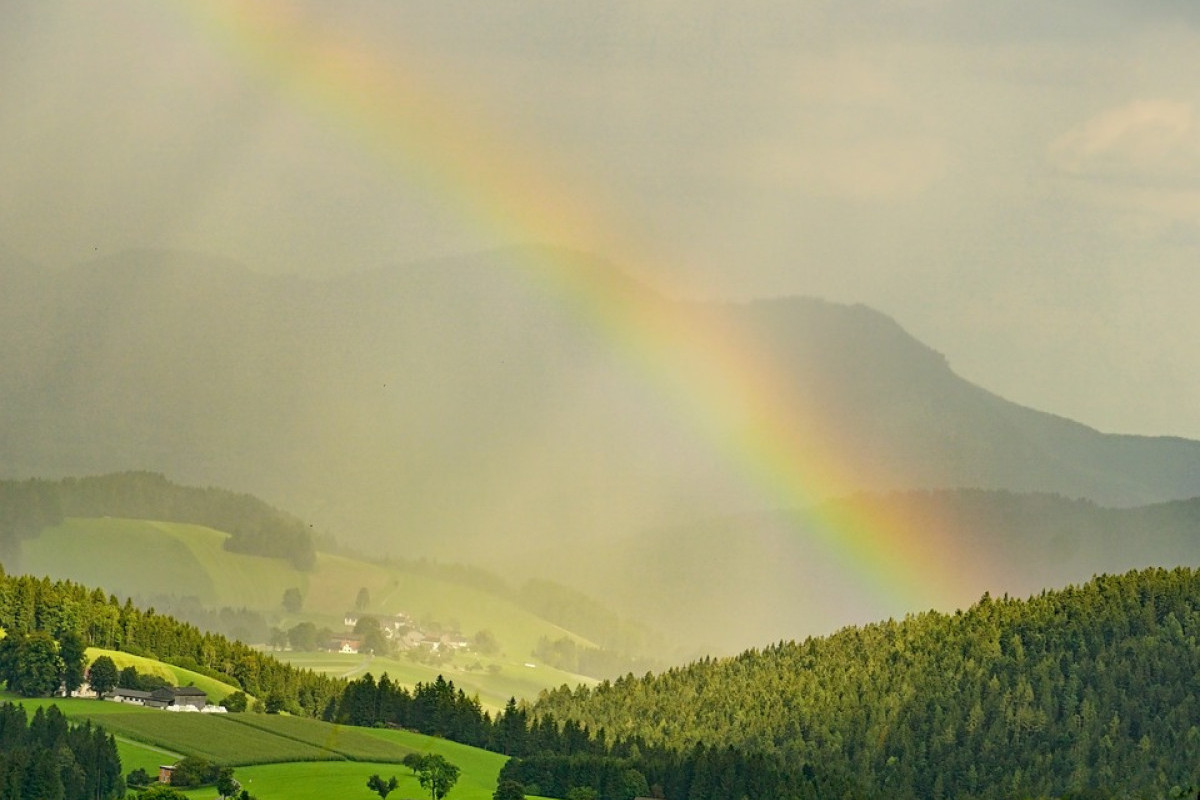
x,y
47,757
552,759
37,608
254,527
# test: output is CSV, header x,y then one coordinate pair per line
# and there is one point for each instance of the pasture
x,y
493,686
279,757
146,558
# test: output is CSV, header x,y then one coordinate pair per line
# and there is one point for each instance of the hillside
x,y
1087,689
157,562
215,690
281,758
459,406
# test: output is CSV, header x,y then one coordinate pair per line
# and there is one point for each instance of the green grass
x,y
135,755
480,768
213,737
340,780
75,707
347,741
251,742
146,558
234,739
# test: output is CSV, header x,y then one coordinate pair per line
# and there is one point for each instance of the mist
x,y
334,257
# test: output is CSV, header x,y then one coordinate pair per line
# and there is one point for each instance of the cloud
x,y
1146,142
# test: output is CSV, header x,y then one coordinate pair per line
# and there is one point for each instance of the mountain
x,y
507,408
774,576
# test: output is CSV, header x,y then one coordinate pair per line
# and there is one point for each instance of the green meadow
x,y
147,558
494,685
279,757
354,744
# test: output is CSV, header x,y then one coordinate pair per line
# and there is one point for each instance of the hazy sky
x,y
1018,183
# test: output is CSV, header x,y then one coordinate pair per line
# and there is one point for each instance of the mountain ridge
x,y
459,407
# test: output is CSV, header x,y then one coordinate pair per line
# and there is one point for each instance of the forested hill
x,y
254,526
30,605
1092,688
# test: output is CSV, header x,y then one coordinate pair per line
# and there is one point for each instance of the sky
x,y
1016,183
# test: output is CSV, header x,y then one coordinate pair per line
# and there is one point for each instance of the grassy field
x,y
355,744
147,738
213,737
494,687
177,676
145,558
349,779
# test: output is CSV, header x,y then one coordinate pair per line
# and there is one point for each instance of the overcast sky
x,y
1017,183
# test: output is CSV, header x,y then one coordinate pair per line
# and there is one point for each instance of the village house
x,y
389,625
345,645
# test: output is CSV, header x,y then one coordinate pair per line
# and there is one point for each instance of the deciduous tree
x,y
102,675
71,649
292,600
437,775
509,790
380,786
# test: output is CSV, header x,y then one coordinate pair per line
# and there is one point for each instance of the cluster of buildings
x,y
401,631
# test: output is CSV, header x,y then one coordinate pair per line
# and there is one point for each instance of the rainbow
x,y
717,383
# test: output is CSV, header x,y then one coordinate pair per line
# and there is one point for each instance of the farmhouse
x,y
179,698
134,696
345,645
168,698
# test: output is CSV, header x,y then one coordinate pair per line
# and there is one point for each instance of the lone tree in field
x,y
292,600
363,600
437,775
380,786
102,675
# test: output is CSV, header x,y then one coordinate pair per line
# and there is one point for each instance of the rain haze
x,y
1016,184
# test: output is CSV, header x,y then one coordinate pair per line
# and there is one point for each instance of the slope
x,y
1088,689
149,560
281,757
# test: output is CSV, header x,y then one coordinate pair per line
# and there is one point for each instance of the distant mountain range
x,y
458,409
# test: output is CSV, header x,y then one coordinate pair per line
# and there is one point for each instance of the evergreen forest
x,y
1086,691
1089,690
48,757
67,611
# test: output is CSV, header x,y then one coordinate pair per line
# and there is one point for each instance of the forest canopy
x,y
1092,688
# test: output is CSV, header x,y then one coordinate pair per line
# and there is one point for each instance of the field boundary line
x,y
155,748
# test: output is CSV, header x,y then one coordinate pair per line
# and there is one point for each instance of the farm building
x,y
169,698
